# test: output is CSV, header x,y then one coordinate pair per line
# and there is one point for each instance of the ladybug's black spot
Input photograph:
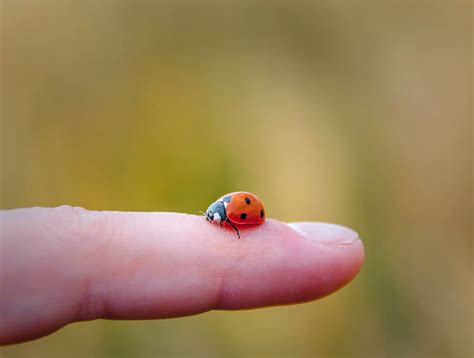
x,y
262,213
226,199
247,200
243,216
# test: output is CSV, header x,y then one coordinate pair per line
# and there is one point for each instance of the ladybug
x,y
239,208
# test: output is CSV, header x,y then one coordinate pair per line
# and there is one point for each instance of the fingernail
x,y
323,233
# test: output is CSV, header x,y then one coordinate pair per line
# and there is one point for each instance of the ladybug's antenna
x,y
202,212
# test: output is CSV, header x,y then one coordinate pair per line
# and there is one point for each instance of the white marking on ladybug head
x,y
226,199
216,216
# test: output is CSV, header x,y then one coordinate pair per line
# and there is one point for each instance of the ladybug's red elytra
x,y
239,208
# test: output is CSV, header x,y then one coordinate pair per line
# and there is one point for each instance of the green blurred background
x,y
357,113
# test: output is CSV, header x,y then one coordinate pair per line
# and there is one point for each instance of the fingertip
x,y
325,233
345,248
292,263
336,236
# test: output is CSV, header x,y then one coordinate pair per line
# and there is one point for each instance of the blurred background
x,y
357,113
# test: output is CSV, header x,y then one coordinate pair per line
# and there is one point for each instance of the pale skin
x,y
67,264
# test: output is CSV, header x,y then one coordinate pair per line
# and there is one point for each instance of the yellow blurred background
x,y
357,113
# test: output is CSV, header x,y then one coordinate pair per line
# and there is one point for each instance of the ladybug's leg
x,y
220,223
234,227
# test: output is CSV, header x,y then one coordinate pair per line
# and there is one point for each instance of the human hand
x,y
68,264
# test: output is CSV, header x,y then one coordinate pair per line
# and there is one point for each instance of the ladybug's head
x,y
216,211
209,215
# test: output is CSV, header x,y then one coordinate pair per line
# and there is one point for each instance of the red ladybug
x,y
239,208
